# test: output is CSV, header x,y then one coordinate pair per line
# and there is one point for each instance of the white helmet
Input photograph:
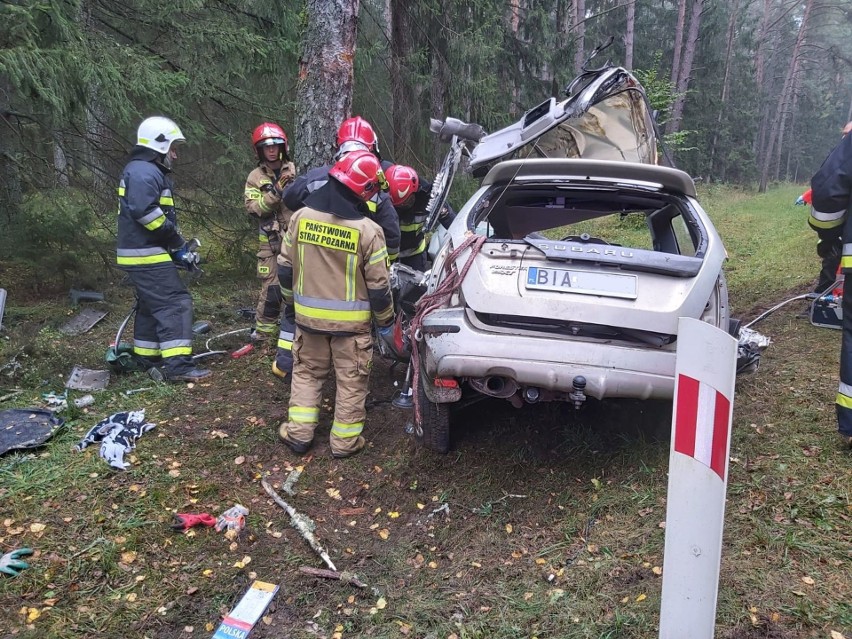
x,y
158,133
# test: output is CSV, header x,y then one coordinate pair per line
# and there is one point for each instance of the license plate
x,y
583,282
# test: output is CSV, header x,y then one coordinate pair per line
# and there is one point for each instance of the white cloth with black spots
x,y
117,435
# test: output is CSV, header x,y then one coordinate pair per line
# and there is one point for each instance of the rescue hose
x,y
435,300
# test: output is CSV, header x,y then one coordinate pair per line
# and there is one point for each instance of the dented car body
x,y
591,254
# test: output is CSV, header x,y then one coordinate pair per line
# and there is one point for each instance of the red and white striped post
x,y
698,469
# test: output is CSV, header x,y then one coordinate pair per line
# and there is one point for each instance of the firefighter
x,y
832,209
333,270
354,134
409,196
263,190
149,249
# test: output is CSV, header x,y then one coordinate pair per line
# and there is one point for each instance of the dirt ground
x,y
540,522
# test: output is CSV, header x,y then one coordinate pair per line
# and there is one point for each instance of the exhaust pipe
x,y
495,386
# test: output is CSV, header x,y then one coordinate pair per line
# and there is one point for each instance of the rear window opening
x,y
634,229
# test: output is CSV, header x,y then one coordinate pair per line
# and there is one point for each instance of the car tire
x,y
434,427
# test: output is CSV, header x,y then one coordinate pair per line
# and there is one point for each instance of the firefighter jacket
x,y
147,223
380,209
334,272
263,202
832,198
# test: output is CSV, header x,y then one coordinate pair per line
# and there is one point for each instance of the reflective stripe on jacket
x,y
147,223
380,208
263,203
334,271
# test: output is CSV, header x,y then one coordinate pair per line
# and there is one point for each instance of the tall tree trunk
x,y
628,34
673,125
60,160
440,77
563,27
10,176
579,34
726,82
324,90
96,132
759,73
776,132
405,104
678,41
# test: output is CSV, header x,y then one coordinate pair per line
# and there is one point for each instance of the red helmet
x,y
403,183
358,134
267,134
360,172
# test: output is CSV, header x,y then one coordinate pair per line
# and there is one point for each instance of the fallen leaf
x,y
641,598
432,565
267,620
527,596
657,570
420,506
540,561
476,564
188,629
837,635
382,603
808,580
509,528
207,572
33,614
384,533
209,627
37,528
333,493
393,514
128,557
131,597
239,460
174,472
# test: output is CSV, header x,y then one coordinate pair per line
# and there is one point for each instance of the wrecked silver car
x,y
564,275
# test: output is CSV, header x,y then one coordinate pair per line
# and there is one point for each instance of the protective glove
x,y
800,201
283,180
185,521
829,248
11,564
232,519
184,257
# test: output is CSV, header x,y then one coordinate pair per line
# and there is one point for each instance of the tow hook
x,y
577,395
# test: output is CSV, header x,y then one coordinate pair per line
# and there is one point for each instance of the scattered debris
x,y
291,480
185,521
133,391
56,402
240,621
233,519
201,327
303,524
85,400
16,391
345,577
87,379
27,428
83,321
443,508
118,434
244,350
750,346
78,296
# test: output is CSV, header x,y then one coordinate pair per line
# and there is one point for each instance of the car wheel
x,y
433,431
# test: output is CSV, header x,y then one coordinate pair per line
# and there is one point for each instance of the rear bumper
x,y
546,362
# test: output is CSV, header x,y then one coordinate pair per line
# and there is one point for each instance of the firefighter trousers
x,y
314,354
269,304
844,394
163,324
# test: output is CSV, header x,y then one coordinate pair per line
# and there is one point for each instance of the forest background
x,y
749,92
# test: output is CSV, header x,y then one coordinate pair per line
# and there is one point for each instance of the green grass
x,y
554,518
